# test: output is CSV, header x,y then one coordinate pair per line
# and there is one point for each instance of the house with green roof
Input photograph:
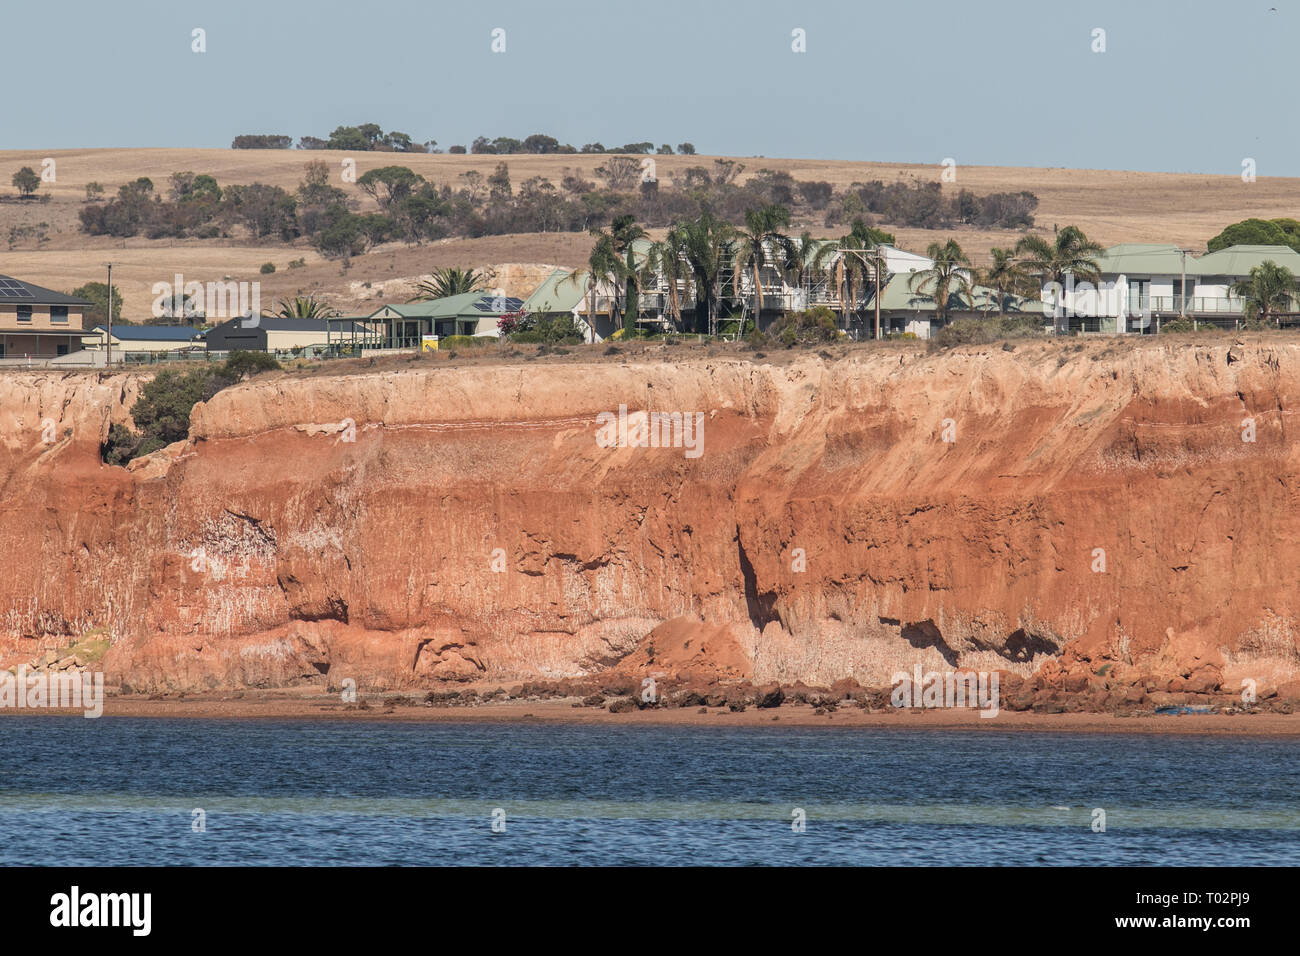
x,y
1217,271
907,308
1143,284
595,310
562,292
405,326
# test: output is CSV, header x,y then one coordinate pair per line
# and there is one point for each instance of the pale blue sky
x,y
1182,86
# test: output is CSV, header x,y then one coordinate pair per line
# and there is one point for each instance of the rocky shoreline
x,y
1042,693
753,707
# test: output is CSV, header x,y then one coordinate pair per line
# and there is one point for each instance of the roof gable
x,y
1239,260
1144,258
561,291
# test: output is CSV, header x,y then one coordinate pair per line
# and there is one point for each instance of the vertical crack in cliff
x,y
759,606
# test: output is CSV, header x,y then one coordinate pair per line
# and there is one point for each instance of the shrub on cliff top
x,y
553,329
1180,324
812,327
981,331
241,363
162,412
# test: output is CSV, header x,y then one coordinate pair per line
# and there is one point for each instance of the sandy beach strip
x,y
395,707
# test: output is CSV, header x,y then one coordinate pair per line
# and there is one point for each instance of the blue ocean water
x,y
121,791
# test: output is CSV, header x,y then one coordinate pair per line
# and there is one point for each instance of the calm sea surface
x,y
124,791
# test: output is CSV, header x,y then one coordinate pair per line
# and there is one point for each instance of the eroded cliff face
x,y
1056,508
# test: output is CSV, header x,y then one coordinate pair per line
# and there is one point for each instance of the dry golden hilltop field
x,y
1110,206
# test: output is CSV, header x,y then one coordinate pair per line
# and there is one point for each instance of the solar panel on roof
x,y
506,305
14,289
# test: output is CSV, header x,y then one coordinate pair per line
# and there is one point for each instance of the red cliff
x,y
1110,515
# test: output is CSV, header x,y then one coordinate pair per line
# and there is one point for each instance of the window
x,y
59,313
62,350
24,313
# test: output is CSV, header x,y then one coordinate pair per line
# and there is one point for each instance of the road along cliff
x,y
1108,524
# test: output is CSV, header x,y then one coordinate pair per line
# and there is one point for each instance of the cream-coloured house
x,y
38,323
143,338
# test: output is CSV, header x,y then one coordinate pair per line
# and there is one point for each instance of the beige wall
x,y
40,318
284,340
17,346
96,343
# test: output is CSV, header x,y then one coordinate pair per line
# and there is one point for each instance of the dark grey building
x,y
266,334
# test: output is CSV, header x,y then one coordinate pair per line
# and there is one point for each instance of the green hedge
x,y
733,326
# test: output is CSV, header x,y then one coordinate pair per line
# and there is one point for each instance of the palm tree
x,y
603,265
847,251
1069,253
706,244
1268,290
665,261
676,269
623,232
449,281
800,259
761,243
948,277
305,307
1005,275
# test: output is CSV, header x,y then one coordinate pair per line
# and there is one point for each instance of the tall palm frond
x,y
450,281
619,239
1268,290
760,243
706,245
305,307
850,267
949,276
1069,252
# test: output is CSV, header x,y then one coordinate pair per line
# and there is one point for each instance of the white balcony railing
x,y
1194,303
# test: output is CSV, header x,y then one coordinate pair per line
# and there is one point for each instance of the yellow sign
x,y
428,343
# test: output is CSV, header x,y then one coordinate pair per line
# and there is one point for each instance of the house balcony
x,y
1195,304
